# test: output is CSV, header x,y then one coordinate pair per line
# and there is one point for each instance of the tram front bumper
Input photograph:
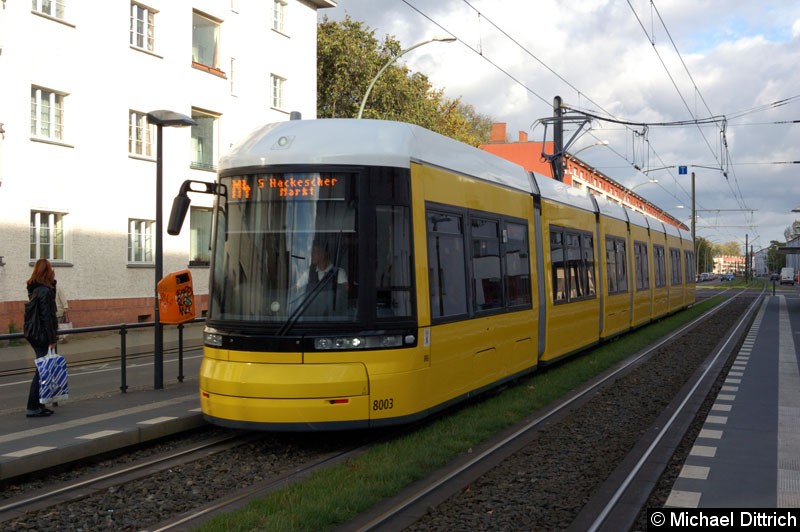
x,y
284,393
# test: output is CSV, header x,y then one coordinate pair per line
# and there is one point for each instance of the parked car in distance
x,y
775,276
704,277
727,277
787,276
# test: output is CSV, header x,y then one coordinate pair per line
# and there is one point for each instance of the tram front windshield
x,y
286,249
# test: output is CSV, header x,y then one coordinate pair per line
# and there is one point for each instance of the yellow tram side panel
x,y
642,305
660,294
689,283
468,354
675,290
617,306
575,325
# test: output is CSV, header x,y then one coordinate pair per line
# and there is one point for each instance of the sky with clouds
x,y
656,62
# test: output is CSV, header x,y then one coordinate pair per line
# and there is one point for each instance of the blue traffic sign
x,y
681,170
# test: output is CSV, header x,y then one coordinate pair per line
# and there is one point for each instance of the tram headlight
x,y
358,342
212,338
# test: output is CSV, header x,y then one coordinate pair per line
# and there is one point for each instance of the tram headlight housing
x,y
334,343
212,338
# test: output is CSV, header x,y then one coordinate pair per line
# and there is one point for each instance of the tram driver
x,y
326,284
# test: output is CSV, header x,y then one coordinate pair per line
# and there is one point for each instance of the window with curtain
x,y
47,113
143,27
204,140
140,241
277,91
53,8
47,236
141,134
205,41
278,13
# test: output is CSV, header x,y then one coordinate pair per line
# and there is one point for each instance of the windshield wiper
x,y
308,298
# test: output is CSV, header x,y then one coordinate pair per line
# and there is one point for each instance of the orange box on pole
x,y
176,298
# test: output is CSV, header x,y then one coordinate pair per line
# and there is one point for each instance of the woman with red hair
x,y
41,325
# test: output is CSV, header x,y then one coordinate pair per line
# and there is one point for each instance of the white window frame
x,y
143,27
46,7
47,236
47,113
141,135
141,237
279,16
205,140
278,87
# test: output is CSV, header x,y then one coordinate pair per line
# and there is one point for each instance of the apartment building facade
x,y
78,156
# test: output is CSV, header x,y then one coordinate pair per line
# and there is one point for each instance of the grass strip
x,y
336,495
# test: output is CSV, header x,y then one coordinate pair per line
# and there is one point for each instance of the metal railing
x,y
123,329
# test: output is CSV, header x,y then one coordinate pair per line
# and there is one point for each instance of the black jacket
x,y
46,309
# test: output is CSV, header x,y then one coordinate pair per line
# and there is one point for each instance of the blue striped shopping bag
x,y
53,385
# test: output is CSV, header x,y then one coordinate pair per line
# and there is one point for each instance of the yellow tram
x,y
367,273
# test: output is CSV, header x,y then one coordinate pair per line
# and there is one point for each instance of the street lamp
x,y
160,119
640,184
598,143
391,61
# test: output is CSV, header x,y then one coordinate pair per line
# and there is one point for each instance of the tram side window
x,y
572,255
487,287
642,266
659,263
446,264
393,272
675,265
617,268
517,265
691,274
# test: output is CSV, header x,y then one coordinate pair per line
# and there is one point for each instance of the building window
x,y
47,114
143,27
277,91
205,41
141,134
140,241
200,236
53,8
47,235
204,139
278,13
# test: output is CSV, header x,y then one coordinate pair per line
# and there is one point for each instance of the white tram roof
x,y
639,219
372,143
611,209
343,141
561,192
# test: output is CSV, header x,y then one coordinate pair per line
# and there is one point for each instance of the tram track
x,y
611,503
171,487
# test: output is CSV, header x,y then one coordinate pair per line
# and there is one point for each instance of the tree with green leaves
x,y
348,58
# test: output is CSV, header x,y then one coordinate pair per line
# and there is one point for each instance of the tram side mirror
x,y
180,206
